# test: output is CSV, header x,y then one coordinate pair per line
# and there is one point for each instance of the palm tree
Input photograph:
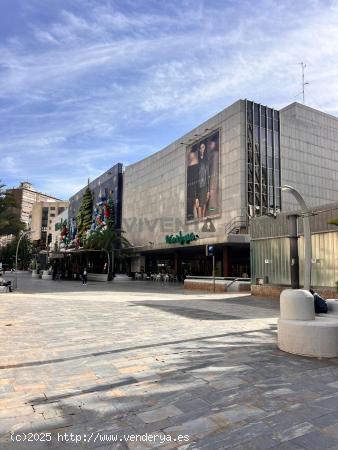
x,y
107,239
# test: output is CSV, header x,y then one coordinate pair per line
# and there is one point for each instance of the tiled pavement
x,y
138,358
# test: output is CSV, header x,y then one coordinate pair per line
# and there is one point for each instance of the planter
x,y
46,275
35,274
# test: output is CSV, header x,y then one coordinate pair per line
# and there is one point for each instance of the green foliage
x,y
334,222
85,215
9,220
107,239
8,253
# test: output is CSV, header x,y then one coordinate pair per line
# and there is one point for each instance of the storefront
x,y
69,265
230,261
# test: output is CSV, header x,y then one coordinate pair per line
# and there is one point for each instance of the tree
x,y
108,239
334,222
8,252
85,214
10,223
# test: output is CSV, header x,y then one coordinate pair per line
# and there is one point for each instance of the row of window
x,y
263,158
262,116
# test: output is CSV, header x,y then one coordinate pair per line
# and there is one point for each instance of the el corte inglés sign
x,y
181,238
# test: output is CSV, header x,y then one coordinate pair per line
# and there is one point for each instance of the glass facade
x,y
263,160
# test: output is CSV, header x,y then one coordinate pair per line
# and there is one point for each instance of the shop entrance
x,y
230,261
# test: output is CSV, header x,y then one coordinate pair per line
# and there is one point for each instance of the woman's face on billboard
x,y
192,158
202,150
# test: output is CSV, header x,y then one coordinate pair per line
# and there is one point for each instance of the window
x,y
256,113
263,158
277,178
249,110
269,138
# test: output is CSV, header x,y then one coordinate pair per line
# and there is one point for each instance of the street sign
x,y
210,250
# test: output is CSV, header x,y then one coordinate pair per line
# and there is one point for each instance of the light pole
x,y
23,234
307,234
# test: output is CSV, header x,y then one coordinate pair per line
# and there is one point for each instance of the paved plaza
x,y
137,365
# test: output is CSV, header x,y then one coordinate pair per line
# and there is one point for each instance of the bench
x,y
301,331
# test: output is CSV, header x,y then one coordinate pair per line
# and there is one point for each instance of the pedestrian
x,y
319,303
84,276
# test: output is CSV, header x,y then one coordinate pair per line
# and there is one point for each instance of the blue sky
x,y
88,83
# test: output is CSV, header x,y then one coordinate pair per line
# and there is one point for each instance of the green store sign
x,y
181,238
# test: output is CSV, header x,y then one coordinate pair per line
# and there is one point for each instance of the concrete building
x,y
56,226
204,188
42,217
277,252
309,155
25,197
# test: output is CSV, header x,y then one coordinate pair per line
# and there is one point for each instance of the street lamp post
x,y
25,233
307,234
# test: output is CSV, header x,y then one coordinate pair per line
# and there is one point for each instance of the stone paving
x,y
154,367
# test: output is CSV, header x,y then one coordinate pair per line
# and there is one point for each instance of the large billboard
x,y
202,192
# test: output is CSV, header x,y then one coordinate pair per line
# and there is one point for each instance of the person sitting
x,y
3,282
320,303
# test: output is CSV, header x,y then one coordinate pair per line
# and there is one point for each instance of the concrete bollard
x,y
297,304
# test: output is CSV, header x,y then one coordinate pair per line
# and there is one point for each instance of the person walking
x,y
84,276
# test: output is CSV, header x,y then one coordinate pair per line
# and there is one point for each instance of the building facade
x,y
309,149
57,226
42,217
277,250
204,188
194,188
25,197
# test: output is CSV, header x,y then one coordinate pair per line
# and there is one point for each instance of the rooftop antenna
x,y
303,65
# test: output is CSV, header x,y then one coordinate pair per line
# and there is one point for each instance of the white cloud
x,y
9,165
94,80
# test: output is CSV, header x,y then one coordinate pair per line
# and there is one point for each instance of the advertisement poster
x,y
203,178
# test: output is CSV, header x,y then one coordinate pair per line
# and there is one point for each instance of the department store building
x,y
204,188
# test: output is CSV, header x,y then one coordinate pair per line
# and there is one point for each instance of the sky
x,y
85,84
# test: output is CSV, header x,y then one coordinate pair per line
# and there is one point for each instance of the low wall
x,y
274,291
220,285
